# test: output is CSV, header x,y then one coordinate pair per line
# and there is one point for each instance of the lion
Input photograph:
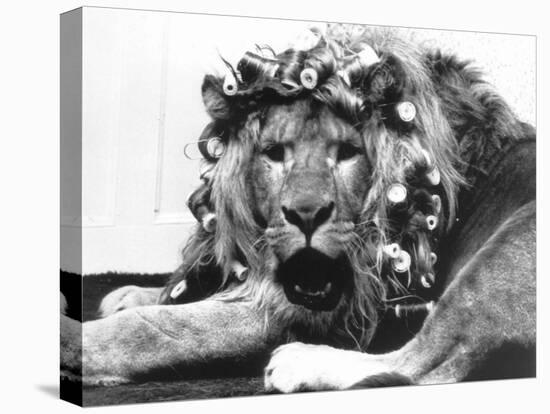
x,y
346,179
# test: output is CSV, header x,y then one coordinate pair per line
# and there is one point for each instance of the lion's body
x,y
296,169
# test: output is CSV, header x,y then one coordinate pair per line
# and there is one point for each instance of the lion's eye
x,y
347,151
275,152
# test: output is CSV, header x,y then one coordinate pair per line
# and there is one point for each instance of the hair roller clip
x,y
178,289
240,271
230,86
396,193
406,111
402,263
309,78
190,151
431,222
392,250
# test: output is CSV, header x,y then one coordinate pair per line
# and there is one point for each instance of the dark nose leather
x,y
308,217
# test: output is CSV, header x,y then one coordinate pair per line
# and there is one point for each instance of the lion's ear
x,y
215,101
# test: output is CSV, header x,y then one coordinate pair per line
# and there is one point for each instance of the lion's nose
x,y
307,217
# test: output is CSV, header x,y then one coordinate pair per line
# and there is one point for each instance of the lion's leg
x,y
136,342
128,297
489,305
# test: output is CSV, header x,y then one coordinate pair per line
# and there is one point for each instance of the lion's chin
x,y
314,280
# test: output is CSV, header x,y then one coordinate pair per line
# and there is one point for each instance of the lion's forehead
x,y
304,121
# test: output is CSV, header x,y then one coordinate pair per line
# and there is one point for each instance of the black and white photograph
x,y
260,206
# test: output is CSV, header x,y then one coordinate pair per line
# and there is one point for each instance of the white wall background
x,y
142,73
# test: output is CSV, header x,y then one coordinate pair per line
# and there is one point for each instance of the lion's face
x,y
310,177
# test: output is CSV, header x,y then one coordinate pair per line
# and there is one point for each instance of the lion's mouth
x,y
314,280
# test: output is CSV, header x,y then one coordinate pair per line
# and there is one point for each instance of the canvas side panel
x,y
71,184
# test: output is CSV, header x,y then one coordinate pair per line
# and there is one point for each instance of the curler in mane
x,y
406,111
240,271
292,62
402,311
201,207
319,65
253,67
230,84
392,250
402,262
212,142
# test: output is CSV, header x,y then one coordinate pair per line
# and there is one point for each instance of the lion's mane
x,y
454,109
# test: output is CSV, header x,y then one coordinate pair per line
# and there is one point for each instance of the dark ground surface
x,y
203,384
509,361
173,391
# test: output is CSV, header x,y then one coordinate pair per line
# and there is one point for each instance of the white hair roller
x,y
396,193
433,176
230,86
403,310
309,78
431,222
406,111
402,263
240,271
392,250
178,289
433,258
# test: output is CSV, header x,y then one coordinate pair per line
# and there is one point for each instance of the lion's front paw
x,y
127,297
300,367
